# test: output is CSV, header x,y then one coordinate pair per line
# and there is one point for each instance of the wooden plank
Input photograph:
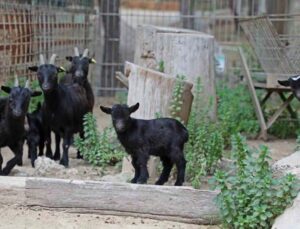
x,y
154,91
255,100
279,111
183,204
122,78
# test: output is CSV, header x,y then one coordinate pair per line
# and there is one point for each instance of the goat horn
x,y
27,83
52,59
16,81
42,60
85,53
76,51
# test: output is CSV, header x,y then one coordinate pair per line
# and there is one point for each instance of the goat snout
x,y
17,112
78,73
46,86
120,126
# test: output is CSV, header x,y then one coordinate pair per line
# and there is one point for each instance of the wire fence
x,y
108,28
26,30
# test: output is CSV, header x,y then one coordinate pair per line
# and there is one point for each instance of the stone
x,y
290,164
290,219
44,165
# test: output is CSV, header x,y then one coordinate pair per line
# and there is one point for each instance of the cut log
x,y
183,52
182,204
154,91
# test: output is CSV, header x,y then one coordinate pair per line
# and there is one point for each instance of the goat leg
x,y
136,170
66,144
17,150
142,163
57,147
167,167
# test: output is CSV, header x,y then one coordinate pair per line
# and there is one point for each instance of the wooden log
x,y
183,52
182,204
154,90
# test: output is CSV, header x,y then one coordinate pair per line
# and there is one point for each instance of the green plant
x,y
34,85
235,112
205,146
250,197
176,101
121,97
99,149
161,66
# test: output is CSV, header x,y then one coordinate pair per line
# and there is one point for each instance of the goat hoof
x,y
64,163
20,163
159,182
133,180
177,183
141,182
79,156
56,157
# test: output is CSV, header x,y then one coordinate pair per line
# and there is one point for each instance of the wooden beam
x,y
182,204
255,100
122,78
279,111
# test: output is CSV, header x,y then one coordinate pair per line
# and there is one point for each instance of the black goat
x,y
65,106
294,83
78,73
12,131
163,137
35,135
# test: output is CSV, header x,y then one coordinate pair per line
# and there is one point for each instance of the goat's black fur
x,y
12,130
35,135
162,137
64,108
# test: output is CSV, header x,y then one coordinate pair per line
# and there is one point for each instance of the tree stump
x,y
182,52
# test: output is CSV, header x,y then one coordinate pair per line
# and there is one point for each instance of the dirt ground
x,y
16,217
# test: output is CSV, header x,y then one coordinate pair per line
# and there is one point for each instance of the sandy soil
x,y
16,217
23,218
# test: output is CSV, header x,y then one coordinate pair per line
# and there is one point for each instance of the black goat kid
x,y
12,130
35,135
163,137
65,106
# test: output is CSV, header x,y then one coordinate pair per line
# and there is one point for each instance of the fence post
x,y
187,13
111,23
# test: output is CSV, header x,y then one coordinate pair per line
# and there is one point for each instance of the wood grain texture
x,y
184,52
181,204
154,91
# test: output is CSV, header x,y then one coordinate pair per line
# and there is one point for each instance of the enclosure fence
x,y
27,30
108,29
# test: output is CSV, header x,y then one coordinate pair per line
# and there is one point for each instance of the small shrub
x,y
235,112
161,66
251,197
205,146
99,149
176,101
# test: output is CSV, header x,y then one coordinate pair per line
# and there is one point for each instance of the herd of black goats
x,y
66,101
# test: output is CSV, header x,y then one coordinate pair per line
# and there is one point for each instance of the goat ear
x,y
6,89
92,61
69,58
106,110
35,93
60,69
33,68
285,83
134,108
